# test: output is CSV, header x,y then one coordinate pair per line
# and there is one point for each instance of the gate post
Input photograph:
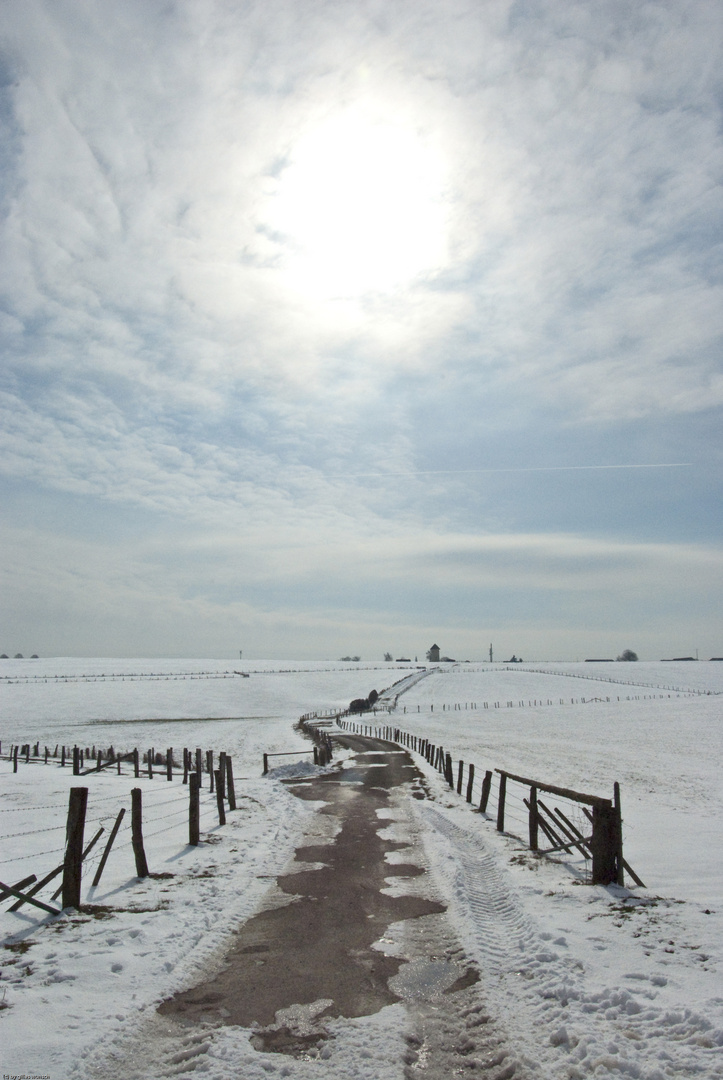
x,y
604,844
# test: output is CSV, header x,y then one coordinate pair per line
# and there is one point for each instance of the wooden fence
x,y
597,835
195,765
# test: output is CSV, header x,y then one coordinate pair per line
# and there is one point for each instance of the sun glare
x,y
360,208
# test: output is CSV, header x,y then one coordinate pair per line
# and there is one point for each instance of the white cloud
x,y
558,251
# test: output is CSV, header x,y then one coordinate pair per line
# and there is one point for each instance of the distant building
x,y
433,654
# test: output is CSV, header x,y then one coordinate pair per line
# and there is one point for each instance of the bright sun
x,y
360,208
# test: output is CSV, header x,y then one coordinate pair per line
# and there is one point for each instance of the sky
x,y
338,328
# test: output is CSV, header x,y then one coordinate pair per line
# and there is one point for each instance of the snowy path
x,y
352,927
391,695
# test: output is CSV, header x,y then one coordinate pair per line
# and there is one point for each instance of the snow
x,y
582,981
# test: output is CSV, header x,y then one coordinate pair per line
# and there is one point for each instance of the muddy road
x,y
310,955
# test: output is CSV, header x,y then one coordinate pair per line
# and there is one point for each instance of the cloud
x,y
178,347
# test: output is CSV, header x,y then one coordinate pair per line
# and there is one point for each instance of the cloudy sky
x,y
344,327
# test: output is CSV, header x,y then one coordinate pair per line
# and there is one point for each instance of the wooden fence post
x,y
534,820
136,764
137,832
199,766
222,772
150,764
109,845
619,835
230,789
460,774
209,769
266,761
604,844
219,799
185,765
76,761
486,785
501,803
470,783
77,805
169,763
193,811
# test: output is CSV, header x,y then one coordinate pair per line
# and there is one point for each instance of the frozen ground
x,y
582,981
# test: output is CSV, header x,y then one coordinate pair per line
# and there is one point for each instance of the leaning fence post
x,y
194,810
534,820
77,805
486,785
109,845
501,803
230,789
137,832
219,799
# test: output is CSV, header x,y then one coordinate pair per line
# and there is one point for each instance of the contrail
x,y
522,469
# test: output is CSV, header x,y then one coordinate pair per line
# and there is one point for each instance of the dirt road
x,y
310,955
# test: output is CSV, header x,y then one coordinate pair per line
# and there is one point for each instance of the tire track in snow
x,y
565,1027
481,897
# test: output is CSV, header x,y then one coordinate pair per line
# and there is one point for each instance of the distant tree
x,y
373,696
360,704
388,656
628,654
18,656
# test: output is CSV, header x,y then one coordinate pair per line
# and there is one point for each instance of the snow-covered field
x,y
584,981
